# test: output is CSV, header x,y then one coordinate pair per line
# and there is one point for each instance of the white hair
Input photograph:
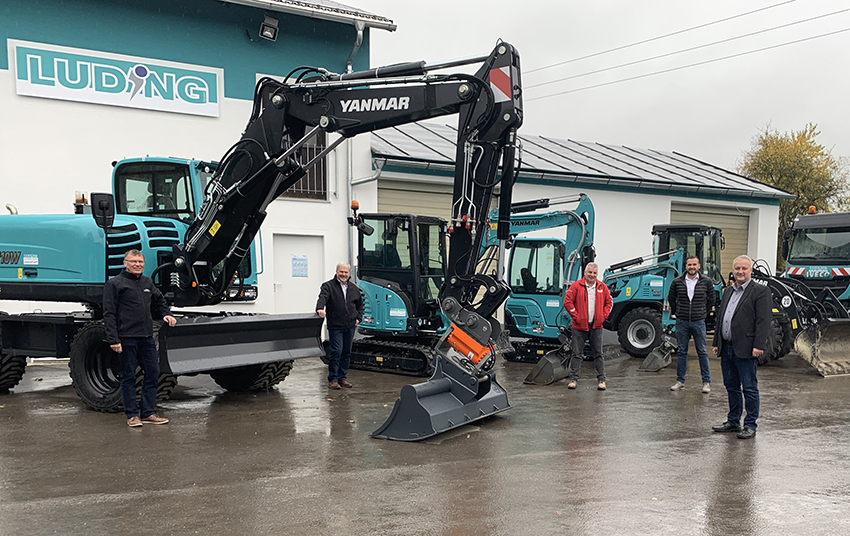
x,y
591,265
742,257
343,265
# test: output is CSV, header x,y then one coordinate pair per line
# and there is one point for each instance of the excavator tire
x,y
775,343
261,377
12,369
95,368
640,331
787,337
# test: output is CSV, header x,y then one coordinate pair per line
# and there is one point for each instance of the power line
x,y
657,38
687,49
688,66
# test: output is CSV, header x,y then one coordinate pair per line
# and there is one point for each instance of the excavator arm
x,y
267,161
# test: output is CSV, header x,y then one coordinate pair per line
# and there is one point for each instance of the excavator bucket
x,y
826,346
660,356
451,398
553,366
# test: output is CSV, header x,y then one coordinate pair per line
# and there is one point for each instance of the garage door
x,y
424,199
734,224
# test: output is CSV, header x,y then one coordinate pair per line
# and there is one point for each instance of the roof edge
x,y
306,9
601,180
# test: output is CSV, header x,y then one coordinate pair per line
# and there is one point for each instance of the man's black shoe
x,y
727,427
747,433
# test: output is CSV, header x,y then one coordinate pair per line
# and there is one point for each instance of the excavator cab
x,y
704,241
401,268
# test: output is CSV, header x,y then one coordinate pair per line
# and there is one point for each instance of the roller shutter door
x,y
425,199
735,225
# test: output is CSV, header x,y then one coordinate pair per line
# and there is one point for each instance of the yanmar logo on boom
x,y
375,105
72,74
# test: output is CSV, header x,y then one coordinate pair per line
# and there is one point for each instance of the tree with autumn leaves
x,y
797,163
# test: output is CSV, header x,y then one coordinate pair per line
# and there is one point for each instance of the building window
x,y
314,185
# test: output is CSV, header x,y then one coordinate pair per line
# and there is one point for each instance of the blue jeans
x,y
740,375
139,351
339,357
684,331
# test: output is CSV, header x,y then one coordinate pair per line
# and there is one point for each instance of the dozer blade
x,y
451,398
660,356
552,367
826,346
204,343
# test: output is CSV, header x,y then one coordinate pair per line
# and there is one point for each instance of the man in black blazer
x,y
341,303
740,338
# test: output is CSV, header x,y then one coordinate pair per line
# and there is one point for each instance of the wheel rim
x,y
641,333
102,369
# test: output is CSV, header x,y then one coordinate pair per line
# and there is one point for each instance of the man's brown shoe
x,y
346,383
134,422
333,385
572,384
153,419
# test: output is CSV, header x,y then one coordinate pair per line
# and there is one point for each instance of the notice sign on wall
x,y
299,266
74,74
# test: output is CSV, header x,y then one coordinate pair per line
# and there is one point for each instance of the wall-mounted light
x,y
268,29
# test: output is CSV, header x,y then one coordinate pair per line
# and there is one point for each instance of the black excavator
x,y
463,386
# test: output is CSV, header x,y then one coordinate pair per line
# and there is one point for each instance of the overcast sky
x,y
710,112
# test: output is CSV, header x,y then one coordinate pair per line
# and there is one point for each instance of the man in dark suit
x,y
341,303
740,338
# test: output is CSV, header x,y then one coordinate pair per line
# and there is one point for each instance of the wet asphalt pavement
x,y
635,459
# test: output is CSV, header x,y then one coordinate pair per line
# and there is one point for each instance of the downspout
x,y
358,41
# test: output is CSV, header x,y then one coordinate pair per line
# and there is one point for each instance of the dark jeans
x,y
139,351
740,375
684,331
579,339
340,353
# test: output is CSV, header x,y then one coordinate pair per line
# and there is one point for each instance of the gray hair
x,y
741,257
343,265
591,265
133,253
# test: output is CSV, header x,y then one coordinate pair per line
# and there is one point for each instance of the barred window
x,y
314,185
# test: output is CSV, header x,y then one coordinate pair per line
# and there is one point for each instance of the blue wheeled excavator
x,y
265,162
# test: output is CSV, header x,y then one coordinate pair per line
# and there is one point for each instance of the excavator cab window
x,y
388,246
711,267
157,189
535,267
432,259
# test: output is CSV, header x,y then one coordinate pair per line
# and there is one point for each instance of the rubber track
x,y
526,351
377,347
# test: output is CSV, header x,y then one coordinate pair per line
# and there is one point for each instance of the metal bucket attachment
x,y
553,366
451,398
204,343
826,346
661,356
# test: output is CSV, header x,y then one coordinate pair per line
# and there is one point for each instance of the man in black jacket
x,y
691,297
740,338
341,303
129,301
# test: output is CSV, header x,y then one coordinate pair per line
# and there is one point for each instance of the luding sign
x,y
73,74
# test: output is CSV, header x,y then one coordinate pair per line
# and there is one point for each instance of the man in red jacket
x,y
589,304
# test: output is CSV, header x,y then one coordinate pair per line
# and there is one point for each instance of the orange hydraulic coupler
x,y
466,345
